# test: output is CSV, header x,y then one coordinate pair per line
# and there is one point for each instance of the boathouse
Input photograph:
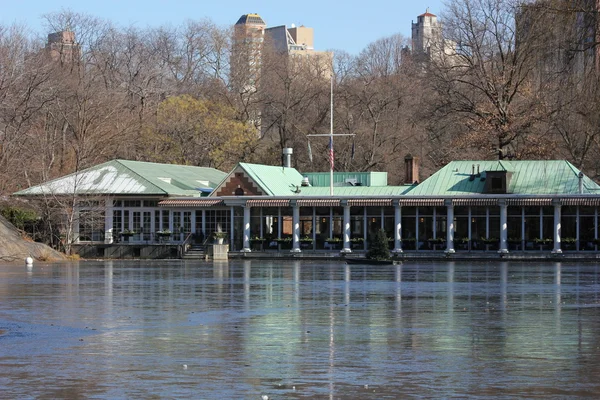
x,y
138,209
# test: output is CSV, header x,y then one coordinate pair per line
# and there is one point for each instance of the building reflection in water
x,y
328,328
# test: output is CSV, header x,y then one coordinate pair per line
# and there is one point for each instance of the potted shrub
x,y
489,240
284,242
333,242
126,234
256,242
490,243
568,243
219,237
409,243
436,242
357,242
545,243
462,243
306,239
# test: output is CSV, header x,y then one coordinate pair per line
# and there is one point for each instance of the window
x,y
91,226
132,203
496,184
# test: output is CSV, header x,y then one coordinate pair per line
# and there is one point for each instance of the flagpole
x,y
331,140
330,135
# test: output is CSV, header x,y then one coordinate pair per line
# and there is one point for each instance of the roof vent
x,y
305,181
351,181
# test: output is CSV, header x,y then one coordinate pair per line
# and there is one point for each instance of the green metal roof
x,y
127,177
272,180
528,178
323,191
370,178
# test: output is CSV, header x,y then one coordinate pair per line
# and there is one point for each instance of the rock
x,y
16,248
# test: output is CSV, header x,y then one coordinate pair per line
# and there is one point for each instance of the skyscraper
x,y
248,41
62,47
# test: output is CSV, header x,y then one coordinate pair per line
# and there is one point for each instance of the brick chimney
x,y
411,169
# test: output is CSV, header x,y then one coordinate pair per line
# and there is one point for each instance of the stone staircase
x,y
195,252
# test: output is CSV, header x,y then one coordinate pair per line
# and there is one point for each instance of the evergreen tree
x,y
378,247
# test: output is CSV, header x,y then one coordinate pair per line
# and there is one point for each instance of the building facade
x,y
62,47
492,207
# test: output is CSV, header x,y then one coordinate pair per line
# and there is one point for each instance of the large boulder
x,y
14,248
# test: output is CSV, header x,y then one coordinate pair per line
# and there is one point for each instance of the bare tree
x,y
294,97
376,101
23,75
483,88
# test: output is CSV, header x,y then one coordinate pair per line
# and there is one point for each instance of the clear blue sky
x,y
342,25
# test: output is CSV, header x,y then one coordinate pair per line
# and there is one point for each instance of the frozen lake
x,y
299,329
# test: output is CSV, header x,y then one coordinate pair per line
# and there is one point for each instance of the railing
x,y
183,247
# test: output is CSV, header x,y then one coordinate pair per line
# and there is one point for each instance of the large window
x,y
91,225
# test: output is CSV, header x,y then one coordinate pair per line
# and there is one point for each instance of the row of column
x,y
398,228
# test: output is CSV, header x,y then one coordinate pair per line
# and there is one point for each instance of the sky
x,y
348,25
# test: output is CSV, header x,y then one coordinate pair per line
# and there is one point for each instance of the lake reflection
x,y
298,329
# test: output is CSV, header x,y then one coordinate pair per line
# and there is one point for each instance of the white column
x,y
231,227
108,221
295,229
246,246
556,230
204,224
449,227
397,228
346,233
193,220
503,227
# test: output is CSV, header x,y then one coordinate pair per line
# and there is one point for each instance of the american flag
x,y
331,151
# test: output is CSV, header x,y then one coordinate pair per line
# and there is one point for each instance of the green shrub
x,y
18,216
378,247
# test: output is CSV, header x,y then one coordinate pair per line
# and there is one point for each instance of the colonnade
x,y
450,228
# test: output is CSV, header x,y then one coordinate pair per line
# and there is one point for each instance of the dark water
x,y
289,330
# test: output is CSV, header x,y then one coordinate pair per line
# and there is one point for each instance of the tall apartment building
x,y
252,45
565,35
62,46
252,35
248,42
297,42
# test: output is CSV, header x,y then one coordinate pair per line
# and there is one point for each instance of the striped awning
x,y
191,203
318,202
581,201
268,203
529,202
475,202
421,202
369,202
